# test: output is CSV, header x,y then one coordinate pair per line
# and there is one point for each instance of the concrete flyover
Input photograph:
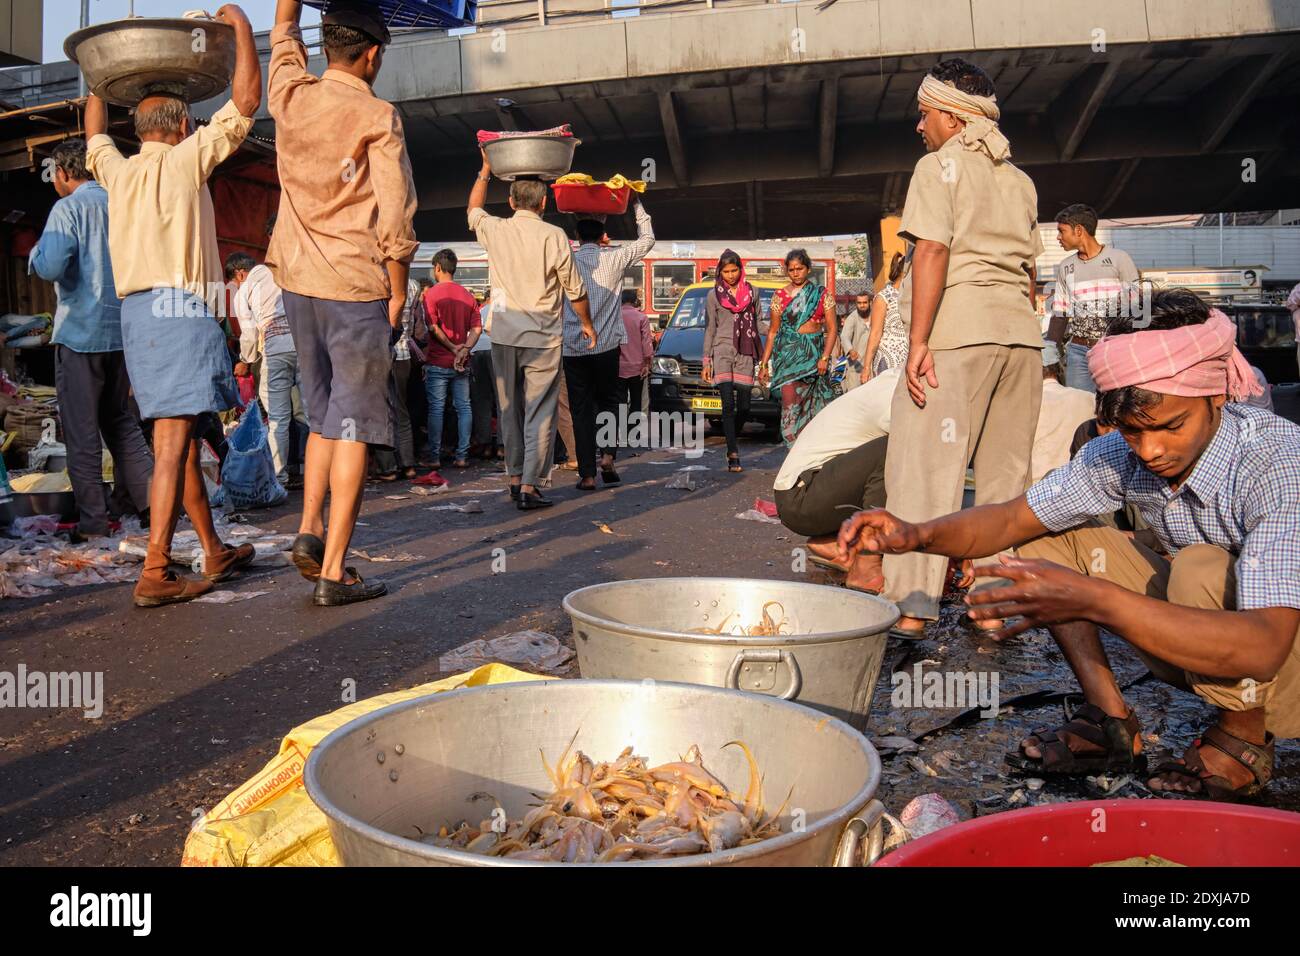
x,y
770,120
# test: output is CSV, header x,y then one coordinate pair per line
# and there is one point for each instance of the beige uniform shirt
x,y
162,232
986,213
347,196
532,272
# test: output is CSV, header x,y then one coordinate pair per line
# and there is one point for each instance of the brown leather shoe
x,y
226,564
155,588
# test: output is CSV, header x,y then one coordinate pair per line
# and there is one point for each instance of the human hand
x,y
487,164
707,374
589,333
241,368
232,14
1040,593
822,364
853,355
920,372
877,531
396,306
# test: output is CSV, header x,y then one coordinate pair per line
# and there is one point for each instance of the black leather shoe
x,y
308,555
514,492
336,593
528,500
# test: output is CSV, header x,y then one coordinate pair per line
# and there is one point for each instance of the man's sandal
x,y
733,464
1090,724
1254,757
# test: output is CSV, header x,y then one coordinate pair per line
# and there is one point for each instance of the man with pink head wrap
x,y
1215,612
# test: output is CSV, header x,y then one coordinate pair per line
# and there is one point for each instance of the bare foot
x,y
866,574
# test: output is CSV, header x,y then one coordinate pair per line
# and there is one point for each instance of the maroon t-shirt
x,y
451,307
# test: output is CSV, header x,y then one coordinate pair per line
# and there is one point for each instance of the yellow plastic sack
x,y
270,820
614,182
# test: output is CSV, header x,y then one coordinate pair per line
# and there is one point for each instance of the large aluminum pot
x,y
126,60
414,764
547,157
642,628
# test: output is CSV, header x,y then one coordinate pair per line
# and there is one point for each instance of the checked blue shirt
x,y
1243,495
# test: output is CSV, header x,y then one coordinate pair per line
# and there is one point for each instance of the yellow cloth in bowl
x,y
614,182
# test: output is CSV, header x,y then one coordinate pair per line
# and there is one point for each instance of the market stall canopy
x,y
445,14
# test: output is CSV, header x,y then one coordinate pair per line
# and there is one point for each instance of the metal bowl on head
x,y
829,658
385,778
546,157
126,60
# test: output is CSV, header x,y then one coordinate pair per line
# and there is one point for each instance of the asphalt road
x,y
199,696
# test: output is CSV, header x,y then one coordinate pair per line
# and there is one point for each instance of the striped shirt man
x,y
602,271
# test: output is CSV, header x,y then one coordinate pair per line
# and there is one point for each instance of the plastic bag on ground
x,y
270,820
533,649
248,475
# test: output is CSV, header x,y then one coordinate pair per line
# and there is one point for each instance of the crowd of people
x,y
1122,427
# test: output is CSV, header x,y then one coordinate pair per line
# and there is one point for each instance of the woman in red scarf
x,y
731,347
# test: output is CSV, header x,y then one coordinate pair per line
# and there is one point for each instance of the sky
x,y
64,16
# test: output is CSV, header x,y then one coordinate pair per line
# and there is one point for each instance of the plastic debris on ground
x,y
271,548
683,481
472,507
926,814
39,564
228,597
763,506
379,558
535,650
753,515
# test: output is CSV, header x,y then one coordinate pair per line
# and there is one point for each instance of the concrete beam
x,y
1117,184
1075,110
673,137
827,114
1227,100
1239,191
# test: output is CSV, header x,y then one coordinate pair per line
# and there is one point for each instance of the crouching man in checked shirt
x,y
1219,483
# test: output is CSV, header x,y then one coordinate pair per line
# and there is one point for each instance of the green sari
x,y
795,354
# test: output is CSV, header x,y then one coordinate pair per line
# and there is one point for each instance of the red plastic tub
x,y
1087,832
594,200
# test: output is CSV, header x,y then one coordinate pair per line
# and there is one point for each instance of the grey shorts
x,y
345,358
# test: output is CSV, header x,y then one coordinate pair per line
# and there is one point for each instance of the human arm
x,y
876,333
929,275
395,198
288,11
647,346
398,274
246,82
832,324
764,373
478,192
96,118
639,248
1217,643
710,334
56,251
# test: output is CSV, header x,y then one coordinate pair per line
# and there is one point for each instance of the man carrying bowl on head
x,y
341,252
162,239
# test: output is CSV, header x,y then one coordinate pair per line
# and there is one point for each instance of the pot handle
x,y
767,655
869,824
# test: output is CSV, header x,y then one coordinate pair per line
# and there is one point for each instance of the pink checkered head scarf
x,y
1194,360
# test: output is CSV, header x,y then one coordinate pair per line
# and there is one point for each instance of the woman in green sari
x,y
799,346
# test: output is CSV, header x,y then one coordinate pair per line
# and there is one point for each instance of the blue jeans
x,y
1076,367
437,381
279,378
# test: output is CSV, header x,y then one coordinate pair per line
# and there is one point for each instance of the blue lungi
x,y
176,355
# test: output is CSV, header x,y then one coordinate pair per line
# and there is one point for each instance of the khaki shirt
x,y
162,232
532,272
986,213
347,195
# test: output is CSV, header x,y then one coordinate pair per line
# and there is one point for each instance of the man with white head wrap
x,y
972,386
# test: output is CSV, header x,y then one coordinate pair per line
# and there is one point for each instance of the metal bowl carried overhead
x,y
126,60
546,157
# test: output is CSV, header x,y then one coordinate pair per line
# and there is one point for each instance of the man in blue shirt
x,y
90,373
1218,482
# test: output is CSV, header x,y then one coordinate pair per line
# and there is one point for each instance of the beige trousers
x,y
984,413
1200,576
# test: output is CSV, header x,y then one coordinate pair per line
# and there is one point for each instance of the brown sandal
x,y
1254,757
1090,724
